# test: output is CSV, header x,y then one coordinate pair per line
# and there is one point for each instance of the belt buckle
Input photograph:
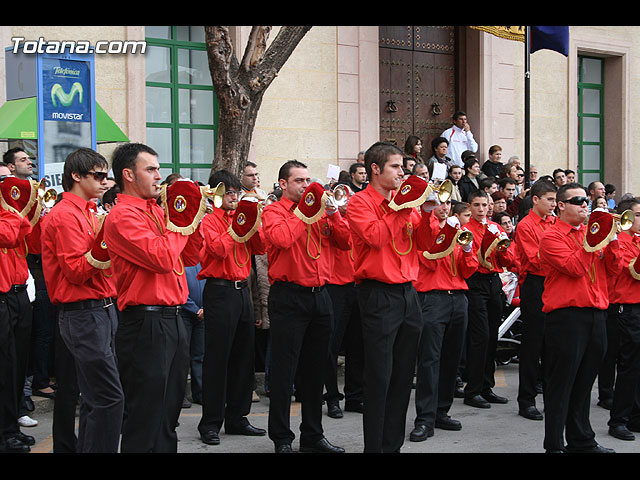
x,y
237,284
105,300
315,289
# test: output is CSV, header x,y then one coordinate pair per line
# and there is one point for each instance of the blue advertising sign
x,y
66,90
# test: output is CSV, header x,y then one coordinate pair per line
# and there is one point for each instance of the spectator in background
x,y
460,138
571,175
413,149
469,182
609,194
193,316
493,165
559,177
439,148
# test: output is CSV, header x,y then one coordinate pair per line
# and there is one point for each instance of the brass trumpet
x,y
503,245
464,238
442,188
625,219
47,197
341,194
216,195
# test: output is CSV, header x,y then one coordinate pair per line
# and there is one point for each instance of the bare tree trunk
x,y
240,86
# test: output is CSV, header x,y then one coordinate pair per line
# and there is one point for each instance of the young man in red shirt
x,y
228,368
148,263
486,304
84,295
386,244
300,309
441,287
575,300
624,295
527,238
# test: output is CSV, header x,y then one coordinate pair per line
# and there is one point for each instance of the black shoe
x,y
448,423
420,433
284,448
459,393
14,445
493,398
593,449
606,404
247,430
321,446
210,438
28,404
621,432
530,412
333,410
26,439
477,401
353,406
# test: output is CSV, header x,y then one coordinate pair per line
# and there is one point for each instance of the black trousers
x,y
607,373
626,397
229,352
575,340
15,339
391,324
444,317
486,304
529,367
67,395
153,360
347,333
300,324
89,336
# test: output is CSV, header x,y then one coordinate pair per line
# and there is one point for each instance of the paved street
x,y
496,430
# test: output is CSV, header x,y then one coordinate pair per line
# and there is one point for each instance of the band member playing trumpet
x,y
579,260
485,303
529,232
387,231
441,287
624,293
148,254
79,282
232,234
300,230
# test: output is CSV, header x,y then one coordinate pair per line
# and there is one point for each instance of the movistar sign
x,y
66,84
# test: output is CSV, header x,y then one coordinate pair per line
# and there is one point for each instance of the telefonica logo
x,y
77,46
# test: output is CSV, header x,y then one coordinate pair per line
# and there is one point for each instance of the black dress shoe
x,y
333,410
28,404
210,438
321,446
353,406
448,423
493,398
420,433
247,430
26,439
477,401
284,448
14,445
459,392
621,432
593,449
530,412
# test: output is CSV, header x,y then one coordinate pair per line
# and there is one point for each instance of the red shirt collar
x,y
80,202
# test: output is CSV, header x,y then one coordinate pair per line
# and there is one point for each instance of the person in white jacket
x,y
459,137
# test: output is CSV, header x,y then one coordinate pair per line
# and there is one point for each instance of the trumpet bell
x,y
625,219
216,194
270,199
465,237
341,194
444,191
503,245
49,198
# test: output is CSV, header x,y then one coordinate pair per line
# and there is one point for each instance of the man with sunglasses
x,y
575,299
84,293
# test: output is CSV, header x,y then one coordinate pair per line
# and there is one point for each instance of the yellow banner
x,y
510,33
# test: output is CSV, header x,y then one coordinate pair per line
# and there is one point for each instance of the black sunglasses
x,y
577,200
99,176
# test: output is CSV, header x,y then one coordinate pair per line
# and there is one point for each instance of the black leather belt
x,y
301,288
168,311
17,288
237,284
447,292
87,304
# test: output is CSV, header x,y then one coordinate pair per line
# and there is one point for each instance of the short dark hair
x,y
609,188
477,193
487,182
541,187
379,154
494,148
561,195
557,170
81,161
227,178
437,141
468,163
353,168
125,157
627,204
249,164
459,207
283,173
459,113
110,195
8,155
503,182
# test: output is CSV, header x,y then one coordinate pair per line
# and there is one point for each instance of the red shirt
x,y
446,273
68,232
385,242
221,256
527,239
342,272
575,277
148,260
13,230
499,260
298,252
624,288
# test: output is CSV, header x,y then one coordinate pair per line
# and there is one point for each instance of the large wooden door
x,y
417,82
